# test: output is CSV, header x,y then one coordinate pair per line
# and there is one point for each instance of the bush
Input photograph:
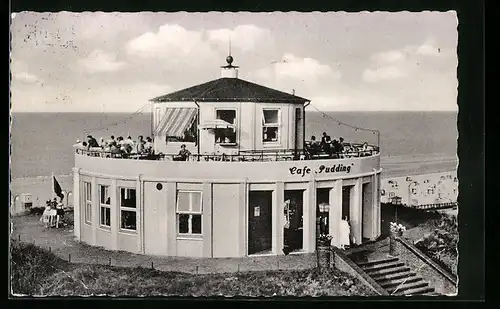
x,y
30,265
110,280
441,244
37,211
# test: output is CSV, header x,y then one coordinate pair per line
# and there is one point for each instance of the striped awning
x,y
216,124
176,121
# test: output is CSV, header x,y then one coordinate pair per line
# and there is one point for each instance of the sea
x,y
410,142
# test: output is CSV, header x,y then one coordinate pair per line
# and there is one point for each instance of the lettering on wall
x,y
322,169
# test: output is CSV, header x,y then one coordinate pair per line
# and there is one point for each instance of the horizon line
x,y
149,112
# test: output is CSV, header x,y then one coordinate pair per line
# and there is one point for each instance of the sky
x,y
116,62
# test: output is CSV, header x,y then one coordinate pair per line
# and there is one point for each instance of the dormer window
x,y
226,136
271,126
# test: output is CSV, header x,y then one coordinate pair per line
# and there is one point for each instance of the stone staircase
x,y
396,277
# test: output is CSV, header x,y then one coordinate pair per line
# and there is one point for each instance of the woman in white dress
x,y
345,231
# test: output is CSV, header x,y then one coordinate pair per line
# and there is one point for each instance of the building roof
x,y
230,90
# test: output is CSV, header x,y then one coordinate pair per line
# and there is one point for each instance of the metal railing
x,y
241,156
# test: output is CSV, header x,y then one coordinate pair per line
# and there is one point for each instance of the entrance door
x,y
323,210
293,230
260,222
346,202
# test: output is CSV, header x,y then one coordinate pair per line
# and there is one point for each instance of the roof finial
x,y
229,58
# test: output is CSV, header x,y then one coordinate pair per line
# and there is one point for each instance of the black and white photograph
x,y
234,154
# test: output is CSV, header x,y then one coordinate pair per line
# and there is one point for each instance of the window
x,y
189,211
270,125
128,209
226,135
87,197
105,205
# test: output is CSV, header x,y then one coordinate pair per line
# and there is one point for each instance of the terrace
x,y
355,151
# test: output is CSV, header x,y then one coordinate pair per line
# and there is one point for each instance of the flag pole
x,y
52,189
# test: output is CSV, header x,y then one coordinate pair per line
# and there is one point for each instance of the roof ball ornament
x,y
229,59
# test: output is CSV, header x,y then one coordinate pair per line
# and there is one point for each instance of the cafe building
x,y
248,188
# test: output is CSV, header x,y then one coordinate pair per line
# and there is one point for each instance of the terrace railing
x,y
242,156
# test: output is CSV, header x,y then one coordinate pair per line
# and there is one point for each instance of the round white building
x,y
249,186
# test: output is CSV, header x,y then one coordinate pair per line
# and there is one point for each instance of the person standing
x,y
345,232
139,146
324,139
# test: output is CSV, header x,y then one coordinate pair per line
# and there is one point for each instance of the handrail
x,y
422,256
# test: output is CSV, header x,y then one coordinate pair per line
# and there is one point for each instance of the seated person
x,y
342,144
148,147
130,141
80,146
335,146
315,146
113,148
92,142
327,145
183,154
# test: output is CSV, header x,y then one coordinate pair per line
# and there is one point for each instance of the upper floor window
x,y
226,135
271,125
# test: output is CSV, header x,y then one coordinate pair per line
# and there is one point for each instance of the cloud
x,y
244,37
304,69
123,98
177,46
399,63
428,50
383,73
99,61
25,77
21,72
390,56
171,41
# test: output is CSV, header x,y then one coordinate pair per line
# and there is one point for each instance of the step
x,y
383,278
408,286
387,271
393,283
374,262
383,266
416,291
433,293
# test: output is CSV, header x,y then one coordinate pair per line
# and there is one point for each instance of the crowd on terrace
x,y
117,146
336,148
144,148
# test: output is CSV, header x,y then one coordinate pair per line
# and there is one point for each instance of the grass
x,y
30,265
36,271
